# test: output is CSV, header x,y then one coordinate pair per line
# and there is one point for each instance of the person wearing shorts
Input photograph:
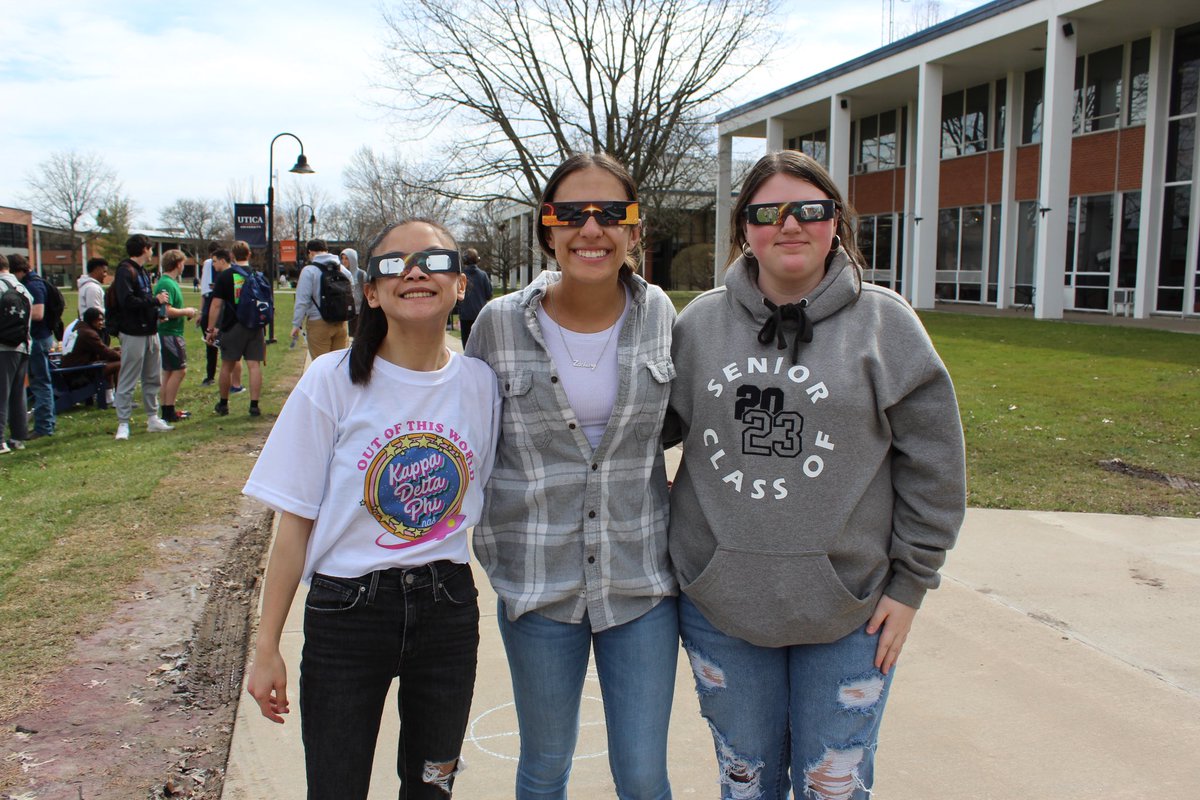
x,y
171,347
236,341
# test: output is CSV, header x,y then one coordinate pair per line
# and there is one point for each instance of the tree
x,y
69,186
534,81
383,189
199,220
115,219
500,250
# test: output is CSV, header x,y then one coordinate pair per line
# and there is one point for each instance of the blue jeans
x,y
41,387
807,714
636,666
420,625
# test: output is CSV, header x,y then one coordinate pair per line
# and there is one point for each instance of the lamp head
x,y
302,166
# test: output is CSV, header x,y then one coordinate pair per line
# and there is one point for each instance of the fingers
x,y
888,650
272,703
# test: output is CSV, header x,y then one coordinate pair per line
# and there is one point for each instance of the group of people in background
x,y
822,482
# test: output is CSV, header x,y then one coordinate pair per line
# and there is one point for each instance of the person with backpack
x,y
15,306
324,301
170,333
46,316
236,320
131,309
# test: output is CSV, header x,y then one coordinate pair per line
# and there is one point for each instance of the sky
x,y
183,99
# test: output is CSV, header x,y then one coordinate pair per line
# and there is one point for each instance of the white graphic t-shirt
x,y
392,473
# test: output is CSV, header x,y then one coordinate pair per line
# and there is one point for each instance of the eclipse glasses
x,y
800,210
576,215
430,262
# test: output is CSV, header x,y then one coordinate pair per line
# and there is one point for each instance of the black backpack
x,y
112,307
337,294
15,309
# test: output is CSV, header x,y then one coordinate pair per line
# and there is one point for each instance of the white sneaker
x,y
4,448
155,425
122,431
109,397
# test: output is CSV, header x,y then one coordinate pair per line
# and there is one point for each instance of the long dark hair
x,y
372,322
580,161
804,167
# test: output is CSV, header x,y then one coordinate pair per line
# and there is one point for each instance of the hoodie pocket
x,y
775,599
522,422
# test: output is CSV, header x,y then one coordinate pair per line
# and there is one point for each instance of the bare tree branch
x,y
69,186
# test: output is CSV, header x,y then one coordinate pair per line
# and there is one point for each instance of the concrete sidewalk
x,y
1060,659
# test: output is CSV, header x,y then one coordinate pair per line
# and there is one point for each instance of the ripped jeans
x,y
420,625
806,715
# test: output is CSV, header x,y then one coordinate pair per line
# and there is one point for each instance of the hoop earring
x,y
748,253
836,245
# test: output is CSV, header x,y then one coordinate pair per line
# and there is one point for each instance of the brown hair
x,y
172,259
806,168
241,251
582,161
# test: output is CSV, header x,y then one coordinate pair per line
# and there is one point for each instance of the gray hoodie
x,y
809,488
308,288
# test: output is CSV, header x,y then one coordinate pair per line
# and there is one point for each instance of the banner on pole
x,y
250,223
287,250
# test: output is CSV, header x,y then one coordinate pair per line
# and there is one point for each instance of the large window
x,y
1088,274
965,121
1178,270
13,235
960,254
1001,114
877,142
1139,81
813,144
1031,119
876,242
1027,223
1098,90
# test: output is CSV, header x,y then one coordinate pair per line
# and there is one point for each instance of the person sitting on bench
x,y
90,348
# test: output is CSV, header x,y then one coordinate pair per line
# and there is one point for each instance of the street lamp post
x,y
301,168
312,226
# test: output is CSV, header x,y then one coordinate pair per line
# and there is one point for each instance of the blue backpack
x,y
255,303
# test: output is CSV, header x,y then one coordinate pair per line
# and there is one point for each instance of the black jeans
x,y
420,625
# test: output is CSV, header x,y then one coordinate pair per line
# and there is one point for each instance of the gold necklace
x,y
574,361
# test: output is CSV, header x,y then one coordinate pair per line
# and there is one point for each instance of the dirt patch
x,y
1174,481
145,706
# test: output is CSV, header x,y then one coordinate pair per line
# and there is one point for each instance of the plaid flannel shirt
x,y
565,529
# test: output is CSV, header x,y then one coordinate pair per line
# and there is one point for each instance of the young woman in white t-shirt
x,y
376,467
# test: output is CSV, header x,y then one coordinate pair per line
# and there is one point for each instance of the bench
x,y
74,385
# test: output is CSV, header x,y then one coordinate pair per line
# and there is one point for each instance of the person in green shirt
x,y
170,333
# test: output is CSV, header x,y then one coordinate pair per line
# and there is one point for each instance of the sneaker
x,y
207,382
122,431
180,415
236,389
15,444
5,449
156,425
221,409
255,411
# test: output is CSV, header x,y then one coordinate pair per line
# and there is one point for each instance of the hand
x,y
163,297
896,620
268,685
191,313
295,331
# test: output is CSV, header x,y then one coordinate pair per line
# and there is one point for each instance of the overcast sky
x,y
182,100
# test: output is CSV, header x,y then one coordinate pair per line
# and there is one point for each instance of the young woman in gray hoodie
x,y
822,483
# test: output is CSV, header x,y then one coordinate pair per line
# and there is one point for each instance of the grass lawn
x,y
83,513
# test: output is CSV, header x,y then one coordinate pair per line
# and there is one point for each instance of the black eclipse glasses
x,y
801,210
428,261
576,215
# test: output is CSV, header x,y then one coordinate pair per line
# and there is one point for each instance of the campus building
x,y
1028,153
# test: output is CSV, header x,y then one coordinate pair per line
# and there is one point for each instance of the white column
x,y
774,134
1007,268
1054,180
1153,171
839,141
724,190
907,258
925,201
